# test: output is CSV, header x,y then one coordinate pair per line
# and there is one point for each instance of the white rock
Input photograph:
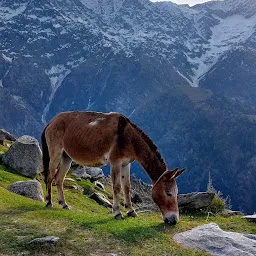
x,y
218,242
45,240
31,189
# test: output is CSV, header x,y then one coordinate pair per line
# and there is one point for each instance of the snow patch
x,y
1,84
104,7
189,82
8,59
56,74
7,13
227,34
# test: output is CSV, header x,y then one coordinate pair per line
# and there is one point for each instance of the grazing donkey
x,y
96,139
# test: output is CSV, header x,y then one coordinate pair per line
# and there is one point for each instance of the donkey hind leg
x,y
65,164
53,166
126,184
116,183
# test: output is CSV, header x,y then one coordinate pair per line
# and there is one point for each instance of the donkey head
x,y
164,194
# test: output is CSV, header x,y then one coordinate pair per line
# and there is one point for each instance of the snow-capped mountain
x,y
178,71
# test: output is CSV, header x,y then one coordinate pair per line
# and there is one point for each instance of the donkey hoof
x,y
132,214
49,205
67,207
119,216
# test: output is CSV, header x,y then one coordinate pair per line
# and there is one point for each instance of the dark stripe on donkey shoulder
x,y
122,122
46,157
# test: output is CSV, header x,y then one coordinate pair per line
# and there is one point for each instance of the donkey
x,y
96,139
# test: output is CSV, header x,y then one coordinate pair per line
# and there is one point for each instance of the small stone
x,y
45,240
99,184
227,213
70,179
74,187
6,135
100,199
250,217
136,198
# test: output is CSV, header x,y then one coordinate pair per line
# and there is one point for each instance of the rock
x,y
2,138
141,194
194,201
227,213
45,240
91,173
99,184
69,179
136,198
250,217
6,135
31,189
100,199
218,242
24,156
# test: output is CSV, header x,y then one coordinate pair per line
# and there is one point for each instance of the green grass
x,y
88,229
4,149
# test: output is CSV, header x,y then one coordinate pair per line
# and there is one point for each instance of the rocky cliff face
x,y
185,75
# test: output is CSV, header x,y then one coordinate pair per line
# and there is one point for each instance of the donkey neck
x,y
150,160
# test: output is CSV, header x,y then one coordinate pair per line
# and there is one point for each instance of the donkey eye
x,y
169,194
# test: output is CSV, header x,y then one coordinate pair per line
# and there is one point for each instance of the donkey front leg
x,y
59,179
53,166
126,184
116,183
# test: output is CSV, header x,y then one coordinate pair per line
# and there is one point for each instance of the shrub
x,y
218,203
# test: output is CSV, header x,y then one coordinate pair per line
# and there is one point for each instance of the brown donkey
x,y
96,139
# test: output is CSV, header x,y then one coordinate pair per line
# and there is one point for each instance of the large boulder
x,y
194,201
24,156
31,189
217,242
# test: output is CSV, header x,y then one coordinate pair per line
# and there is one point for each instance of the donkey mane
x,y
149,141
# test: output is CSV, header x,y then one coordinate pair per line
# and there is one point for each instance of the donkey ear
x,y
179,172
170,174
166,176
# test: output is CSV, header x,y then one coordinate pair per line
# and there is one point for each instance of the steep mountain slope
x,y
142,59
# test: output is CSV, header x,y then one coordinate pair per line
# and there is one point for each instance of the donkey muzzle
x,y
171,220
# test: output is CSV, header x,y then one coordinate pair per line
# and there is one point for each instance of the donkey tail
x,y
46,157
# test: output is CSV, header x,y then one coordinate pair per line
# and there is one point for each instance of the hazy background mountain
x,y
185,75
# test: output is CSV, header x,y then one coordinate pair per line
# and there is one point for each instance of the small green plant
x,y
218,203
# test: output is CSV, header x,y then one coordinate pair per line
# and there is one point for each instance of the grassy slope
x,y
88,229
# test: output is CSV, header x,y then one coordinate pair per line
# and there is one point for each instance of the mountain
x,y
185,75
